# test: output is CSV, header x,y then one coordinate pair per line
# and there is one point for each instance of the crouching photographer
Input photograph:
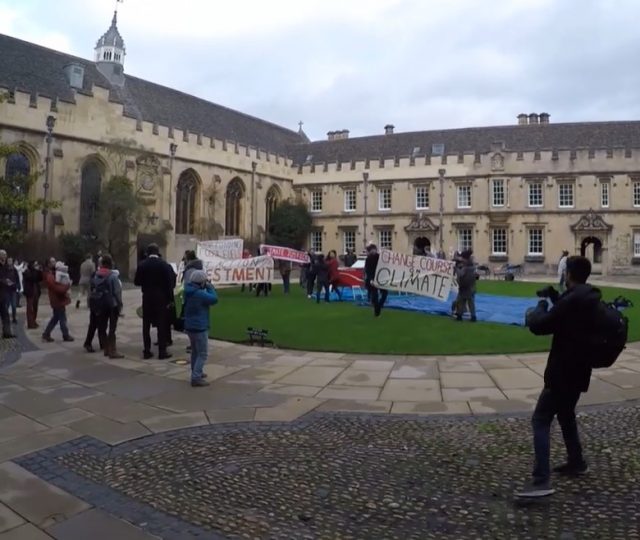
x,y
570,319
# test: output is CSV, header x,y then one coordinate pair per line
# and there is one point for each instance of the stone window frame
x,y
425,190
562,185
459,189
505,194
505,240
605,192
530,230
635,192
316,240
316,201
461,232
352,232
385,198
385,231
538,183
347,199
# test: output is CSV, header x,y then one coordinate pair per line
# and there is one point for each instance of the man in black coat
x,y
570,320
157,280
378,296
6,285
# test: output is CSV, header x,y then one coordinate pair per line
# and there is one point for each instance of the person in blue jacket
x,y
199,296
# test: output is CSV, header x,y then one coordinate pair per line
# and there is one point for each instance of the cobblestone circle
x,y
11,349
362,477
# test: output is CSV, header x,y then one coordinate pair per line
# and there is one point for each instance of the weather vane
x,y
118,2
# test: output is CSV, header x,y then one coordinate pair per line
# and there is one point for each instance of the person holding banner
x,y
321,271
285,272
332,263
378,296
466,276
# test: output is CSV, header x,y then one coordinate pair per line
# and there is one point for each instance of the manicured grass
x,y
294,322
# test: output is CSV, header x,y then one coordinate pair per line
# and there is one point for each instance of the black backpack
x,y
609,337
101,298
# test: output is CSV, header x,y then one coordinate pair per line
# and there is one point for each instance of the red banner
x,y
286,254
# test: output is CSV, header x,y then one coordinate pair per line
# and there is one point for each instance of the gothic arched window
x,y
233,207
16,178
272,202
90,186
186,203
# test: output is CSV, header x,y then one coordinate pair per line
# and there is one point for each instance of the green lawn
x,y
297,323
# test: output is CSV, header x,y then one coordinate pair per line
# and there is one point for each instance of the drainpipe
x,y
365,177
172,154
254,166
441,172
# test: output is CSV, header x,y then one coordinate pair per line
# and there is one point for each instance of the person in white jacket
x,y
562,270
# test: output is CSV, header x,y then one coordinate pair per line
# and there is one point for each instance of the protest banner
x,y
238,271
226,249
285,254
425,276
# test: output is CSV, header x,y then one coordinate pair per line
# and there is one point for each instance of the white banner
x,y
285,254
426,276
225,249
224,271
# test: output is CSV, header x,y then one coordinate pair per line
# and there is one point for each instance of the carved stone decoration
x,y
497,162
591,222
421,223
148,168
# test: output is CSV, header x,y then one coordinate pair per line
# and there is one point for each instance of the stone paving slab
x,y
170,422
9,519
97,525
18,426
25,532
34,499
108,430
34,442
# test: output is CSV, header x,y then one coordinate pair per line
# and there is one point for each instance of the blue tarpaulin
x,y
489,307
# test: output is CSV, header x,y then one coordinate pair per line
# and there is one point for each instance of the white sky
x,y
360,64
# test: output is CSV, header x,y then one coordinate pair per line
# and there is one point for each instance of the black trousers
x,y
4,314
378,297
94,322
162,322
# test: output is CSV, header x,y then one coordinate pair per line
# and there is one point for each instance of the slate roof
x,y
34,69
112,36
517,138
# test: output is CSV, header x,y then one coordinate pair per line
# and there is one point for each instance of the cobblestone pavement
x,y
350,476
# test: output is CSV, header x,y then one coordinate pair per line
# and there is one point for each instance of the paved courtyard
x,y
287,444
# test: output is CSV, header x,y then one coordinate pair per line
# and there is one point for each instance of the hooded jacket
x,y
58,292
466,276
197,301
195,264
570,320
113,284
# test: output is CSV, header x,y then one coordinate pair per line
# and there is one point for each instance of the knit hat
x,y
198,277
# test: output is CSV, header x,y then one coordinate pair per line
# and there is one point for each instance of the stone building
x,y
518,194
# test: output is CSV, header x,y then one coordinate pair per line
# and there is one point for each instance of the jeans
x,y
59,316
563,405
32,310
319,287
13,303
466,303
199,351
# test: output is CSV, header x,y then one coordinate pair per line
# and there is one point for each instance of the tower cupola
x,y
110,51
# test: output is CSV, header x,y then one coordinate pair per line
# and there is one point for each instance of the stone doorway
x,y
592,234
421,245
591,248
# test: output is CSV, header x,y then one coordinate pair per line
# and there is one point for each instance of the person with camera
x,y
571,319
199,296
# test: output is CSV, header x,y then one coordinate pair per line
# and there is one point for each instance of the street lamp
x,y
365,178
441,172
51,122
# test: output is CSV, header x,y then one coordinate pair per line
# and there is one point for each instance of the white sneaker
x,y
534,491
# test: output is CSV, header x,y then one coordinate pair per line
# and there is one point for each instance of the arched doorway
x,y
591,248
16,175
272,202
421,245
186,199
90,186
233,208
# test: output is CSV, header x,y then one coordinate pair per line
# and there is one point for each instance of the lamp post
x,y
365,178
441,172
51,122
172,154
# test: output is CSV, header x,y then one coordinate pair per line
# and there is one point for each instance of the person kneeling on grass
x,y
198,297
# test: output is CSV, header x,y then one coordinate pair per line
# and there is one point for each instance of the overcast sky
x,y
360,64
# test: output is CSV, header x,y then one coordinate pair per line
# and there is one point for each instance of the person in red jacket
x,y
59,299
333,264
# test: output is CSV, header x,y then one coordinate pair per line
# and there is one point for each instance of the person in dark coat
x,y
310,275
378,297
59,299
5,286
350,258
572,317
334,275
157,280
191,263
321,271
31,280
466,277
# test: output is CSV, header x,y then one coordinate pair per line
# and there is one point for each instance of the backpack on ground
x,y
101,298
609,337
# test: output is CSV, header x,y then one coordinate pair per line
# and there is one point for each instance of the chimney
x,y
344,134
388,129
544,118
331,135
75,75
523,119
533,118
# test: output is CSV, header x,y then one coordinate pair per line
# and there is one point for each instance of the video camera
x,y
548,292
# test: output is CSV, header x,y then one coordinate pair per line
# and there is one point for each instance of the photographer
x,y
570,320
